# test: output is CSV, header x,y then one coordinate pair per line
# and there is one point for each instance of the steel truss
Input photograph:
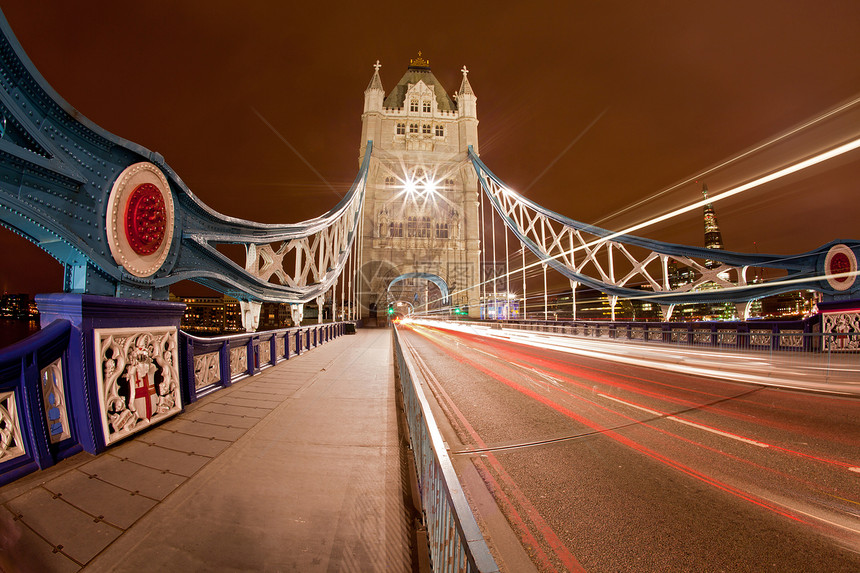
x,y
615,264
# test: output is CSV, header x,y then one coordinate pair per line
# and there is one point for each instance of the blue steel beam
x,y
803,271
59,172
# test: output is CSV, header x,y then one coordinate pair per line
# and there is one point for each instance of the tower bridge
x,y
111,362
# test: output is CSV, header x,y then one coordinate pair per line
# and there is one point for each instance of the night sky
x,y
678,87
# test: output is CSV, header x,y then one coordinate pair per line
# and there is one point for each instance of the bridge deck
x,y
299,468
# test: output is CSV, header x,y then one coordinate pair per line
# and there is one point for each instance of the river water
x,y
11,330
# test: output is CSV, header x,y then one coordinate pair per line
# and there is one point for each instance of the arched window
x,y
441,230
425,129
401,128
413,128
413,105
426,106
390,181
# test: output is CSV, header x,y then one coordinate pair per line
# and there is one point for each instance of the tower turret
x,y
467,104
374,94
371,119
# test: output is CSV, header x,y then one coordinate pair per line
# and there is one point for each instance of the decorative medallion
x,y
140,220
145,217
839,262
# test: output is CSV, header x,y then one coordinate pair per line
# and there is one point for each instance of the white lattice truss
x,y
586,254
307,259
315,259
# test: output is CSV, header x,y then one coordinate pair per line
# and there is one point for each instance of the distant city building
x,y
713,237
15,306
210,315
504,306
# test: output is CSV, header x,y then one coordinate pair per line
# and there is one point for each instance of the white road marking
x,y
687,422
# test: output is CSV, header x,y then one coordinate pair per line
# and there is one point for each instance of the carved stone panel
x,y
238,361
265,352
207,369
54,395
138,378
842,330
11,441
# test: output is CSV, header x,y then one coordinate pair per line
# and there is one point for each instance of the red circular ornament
x,y
839,263
145,219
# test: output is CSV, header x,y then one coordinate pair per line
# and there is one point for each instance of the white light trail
x,y
779,174
686,422
800,166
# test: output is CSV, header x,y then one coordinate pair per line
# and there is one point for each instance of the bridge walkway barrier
x,y
297,468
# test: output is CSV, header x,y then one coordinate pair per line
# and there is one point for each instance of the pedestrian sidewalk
x,y
299,468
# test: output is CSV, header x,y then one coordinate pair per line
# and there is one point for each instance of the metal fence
x,y
792,348
213,363
455,541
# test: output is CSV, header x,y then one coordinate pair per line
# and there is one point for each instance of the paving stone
x,y
59,523
118,506
249,402
266,395
220,408
226,420
204,429
156,457
184,442
23,550
134,477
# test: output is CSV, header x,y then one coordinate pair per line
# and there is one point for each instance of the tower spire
x,y
374,93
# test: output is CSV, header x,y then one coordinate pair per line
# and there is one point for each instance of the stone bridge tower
x,y
421,234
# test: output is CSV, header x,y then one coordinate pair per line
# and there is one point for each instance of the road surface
x,y
599,466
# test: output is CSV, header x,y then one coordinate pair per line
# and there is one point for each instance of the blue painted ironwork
x,y
555,239
435,279
29,420
57,174
210,363
456,542
41,424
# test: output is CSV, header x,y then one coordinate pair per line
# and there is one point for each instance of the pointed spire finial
x,y
377,65
465,71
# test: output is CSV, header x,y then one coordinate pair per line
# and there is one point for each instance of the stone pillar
x,y
129,377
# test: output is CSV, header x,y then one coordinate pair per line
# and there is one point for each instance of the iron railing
x,y
793,349
455,541
213,363
37,400
47,408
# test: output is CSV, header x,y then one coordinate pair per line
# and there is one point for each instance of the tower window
x,y
395,229
425,128
418,227
440,131
426,107
448,183
413,128
389,181
413,105
441,230
401,128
